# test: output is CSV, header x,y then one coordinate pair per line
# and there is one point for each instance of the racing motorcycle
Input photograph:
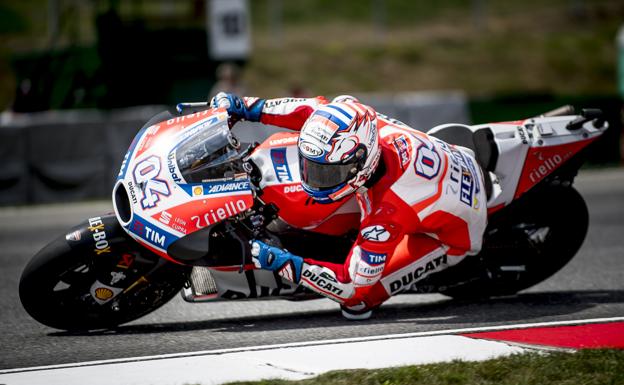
x,y
190,196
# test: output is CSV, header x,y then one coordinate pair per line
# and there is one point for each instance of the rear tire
x,y
525,244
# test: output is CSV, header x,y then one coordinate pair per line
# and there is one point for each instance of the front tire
x,y
58,284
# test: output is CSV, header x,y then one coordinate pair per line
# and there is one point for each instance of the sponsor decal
x,y
220,213
402,279
124,163
145,175
138,227
322,283
375,233
228,187
126,261
117,276
73,236
368,267
171,166
366,275
172,221
321,128
522,135
96,227
165,217
103,293
180,225
293,189
373,258
195,128
156,236
462,171
271,103
280,164
216,187
310,149
402,148
284,141
545,167
132,192
466,185
180,119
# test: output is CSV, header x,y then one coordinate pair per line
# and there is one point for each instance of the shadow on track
x,y
518,308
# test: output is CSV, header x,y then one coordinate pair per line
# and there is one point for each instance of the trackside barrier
x,y
61,156
70,155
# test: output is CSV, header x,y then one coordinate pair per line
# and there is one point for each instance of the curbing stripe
x,y
312,343
294,363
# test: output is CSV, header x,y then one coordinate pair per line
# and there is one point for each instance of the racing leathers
x,y
425,210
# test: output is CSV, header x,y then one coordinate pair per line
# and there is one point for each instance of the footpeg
x,y
200,287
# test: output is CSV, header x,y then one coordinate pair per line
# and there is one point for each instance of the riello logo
x,y
545,168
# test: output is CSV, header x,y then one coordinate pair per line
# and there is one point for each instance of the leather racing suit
x,y
425,211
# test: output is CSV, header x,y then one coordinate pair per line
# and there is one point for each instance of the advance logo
x,y
204,189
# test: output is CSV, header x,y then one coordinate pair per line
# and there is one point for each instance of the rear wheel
x,y
525,244
73,287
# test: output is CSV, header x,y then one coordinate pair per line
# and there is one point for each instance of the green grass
x,y
560,47
587,367
328,47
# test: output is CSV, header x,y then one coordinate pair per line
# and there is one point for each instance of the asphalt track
x,y
591,286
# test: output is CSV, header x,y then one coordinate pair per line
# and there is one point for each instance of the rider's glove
x,y
239,108
275,259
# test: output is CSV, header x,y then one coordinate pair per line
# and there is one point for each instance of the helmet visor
x,y
323,175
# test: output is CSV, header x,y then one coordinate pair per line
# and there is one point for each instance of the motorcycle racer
x,y
422,200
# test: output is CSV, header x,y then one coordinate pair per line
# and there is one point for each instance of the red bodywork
x,y
542,161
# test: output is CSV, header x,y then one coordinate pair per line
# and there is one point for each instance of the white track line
x,y
293,363
313,343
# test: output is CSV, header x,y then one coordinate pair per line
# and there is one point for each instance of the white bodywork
x,y
514,140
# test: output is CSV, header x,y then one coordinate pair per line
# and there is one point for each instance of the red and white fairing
x,y
530,150
164,207
278,159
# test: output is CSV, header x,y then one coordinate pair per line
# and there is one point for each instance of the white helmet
x,y
339,150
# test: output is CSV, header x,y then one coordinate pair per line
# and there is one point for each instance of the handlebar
x,y
180,107
561,111
587,114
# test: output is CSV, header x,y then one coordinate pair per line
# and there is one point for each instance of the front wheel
x,y
525,244
80,282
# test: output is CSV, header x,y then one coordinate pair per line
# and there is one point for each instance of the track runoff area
x,y
298,361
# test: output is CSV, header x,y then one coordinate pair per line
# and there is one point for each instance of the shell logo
x,y
103,293
198,190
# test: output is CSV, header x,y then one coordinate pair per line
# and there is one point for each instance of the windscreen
x,y
210,154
